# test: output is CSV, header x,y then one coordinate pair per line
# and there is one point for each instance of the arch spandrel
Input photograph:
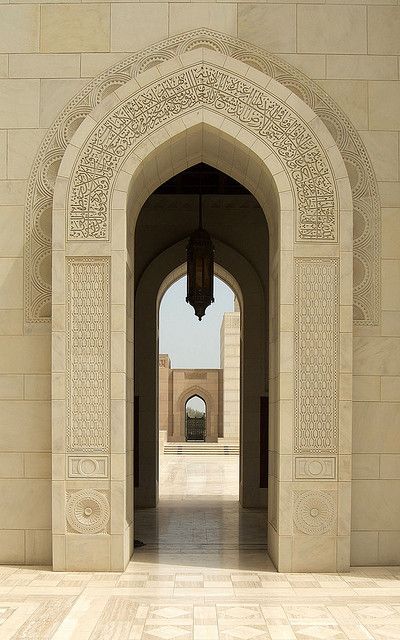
x,y
37,246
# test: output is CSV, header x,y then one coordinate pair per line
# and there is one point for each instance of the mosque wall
x,y
48,52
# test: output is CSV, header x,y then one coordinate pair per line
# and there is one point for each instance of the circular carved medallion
x,y
88,511
314,512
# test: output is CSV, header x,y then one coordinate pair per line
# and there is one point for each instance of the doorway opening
x,y
195,419
212,463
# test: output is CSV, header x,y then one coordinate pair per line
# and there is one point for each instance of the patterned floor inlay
x,y
5,612
201,602
177,589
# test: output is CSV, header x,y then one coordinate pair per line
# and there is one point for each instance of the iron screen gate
x,y
195,428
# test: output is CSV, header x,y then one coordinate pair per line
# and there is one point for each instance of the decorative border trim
x,y
87,466
316,468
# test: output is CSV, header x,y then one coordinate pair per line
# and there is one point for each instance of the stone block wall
x,y
48,53
186,383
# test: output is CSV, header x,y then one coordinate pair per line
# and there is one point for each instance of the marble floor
x,y
199,510
203,575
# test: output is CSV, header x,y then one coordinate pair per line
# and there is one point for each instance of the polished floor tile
x,y
203,574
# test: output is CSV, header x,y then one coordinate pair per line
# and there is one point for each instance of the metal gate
x,y
195,428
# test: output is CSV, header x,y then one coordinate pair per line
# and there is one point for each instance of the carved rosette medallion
x,y
314,512
87,511
316,348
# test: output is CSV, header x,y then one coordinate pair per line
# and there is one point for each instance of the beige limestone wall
x,y
47,53
230,365
186,383
164,403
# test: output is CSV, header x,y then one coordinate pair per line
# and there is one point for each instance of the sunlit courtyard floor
x,y
203,575
199,512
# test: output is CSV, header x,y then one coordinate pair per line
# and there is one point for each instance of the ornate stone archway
x,y
203,105
39,203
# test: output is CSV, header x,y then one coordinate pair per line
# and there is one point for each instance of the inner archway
x,y
199,481
161,235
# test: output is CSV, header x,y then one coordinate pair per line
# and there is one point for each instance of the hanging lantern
x,y
200,269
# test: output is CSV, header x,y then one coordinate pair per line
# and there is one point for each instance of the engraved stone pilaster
x,y
316,355
88,354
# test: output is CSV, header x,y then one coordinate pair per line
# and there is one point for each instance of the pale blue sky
x,y
192,344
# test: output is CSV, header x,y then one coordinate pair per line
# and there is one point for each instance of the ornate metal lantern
x,y
200,268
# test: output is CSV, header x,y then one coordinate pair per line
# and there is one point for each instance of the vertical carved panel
x,y
316,355
88,354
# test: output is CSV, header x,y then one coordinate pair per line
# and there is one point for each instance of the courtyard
x,y
203,574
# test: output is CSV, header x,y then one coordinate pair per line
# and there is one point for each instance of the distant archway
x,y
196,416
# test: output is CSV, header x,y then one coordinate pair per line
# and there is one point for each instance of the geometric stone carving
x,y
315,468
88,354
37,246
195,375
231,322
316,355
164,362
87,511
87,466
236,97
314,511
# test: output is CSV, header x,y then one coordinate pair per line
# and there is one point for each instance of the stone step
x,y
200,448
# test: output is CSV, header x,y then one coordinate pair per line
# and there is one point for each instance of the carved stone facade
x,y
362,178
297,174
202,85
53,61
315,512
88,355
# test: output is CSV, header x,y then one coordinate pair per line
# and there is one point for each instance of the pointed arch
x,y
40,192
210,106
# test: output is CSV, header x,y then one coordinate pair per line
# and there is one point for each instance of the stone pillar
x,y
90,471
309,489
230,365
164,370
